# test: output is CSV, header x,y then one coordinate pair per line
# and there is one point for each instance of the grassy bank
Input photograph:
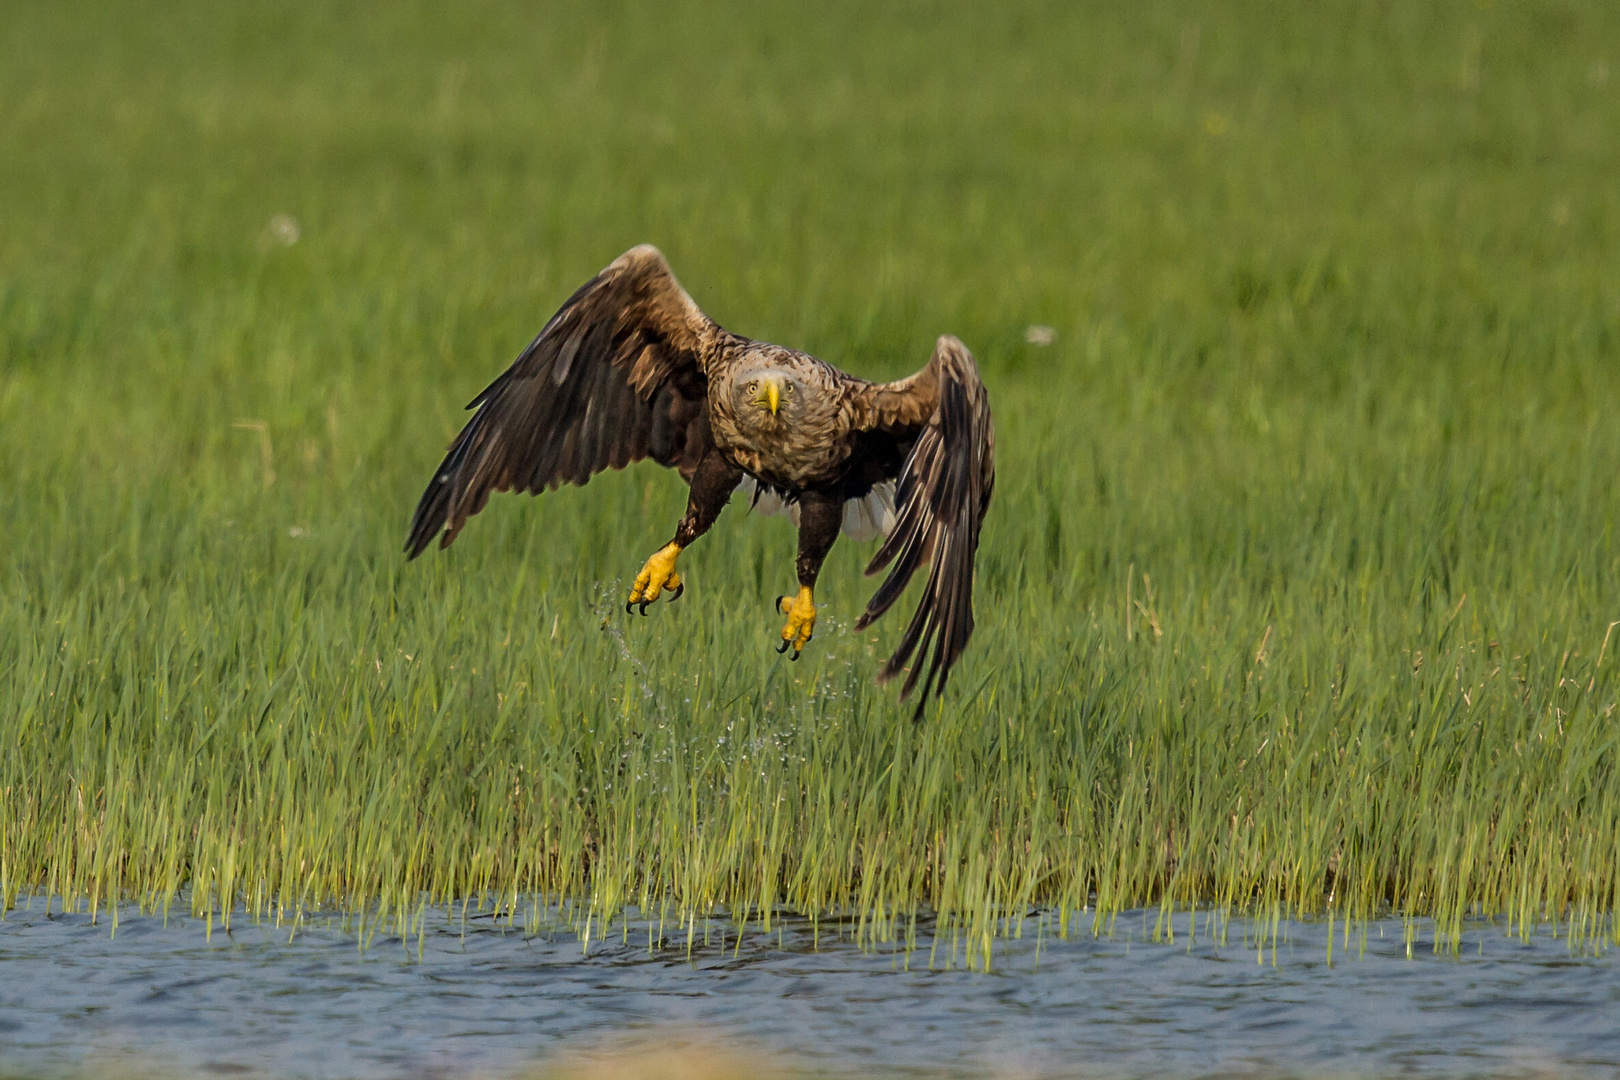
x,y
1294,597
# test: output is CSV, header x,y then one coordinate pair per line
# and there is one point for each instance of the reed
x,y
1299,594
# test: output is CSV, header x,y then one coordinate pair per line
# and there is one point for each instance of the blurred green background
x,y
1336,293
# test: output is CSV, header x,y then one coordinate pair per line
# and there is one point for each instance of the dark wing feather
x,y
943,492
619,374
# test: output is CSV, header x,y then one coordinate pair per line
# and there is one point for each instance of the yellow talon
x,y
657,575
801,624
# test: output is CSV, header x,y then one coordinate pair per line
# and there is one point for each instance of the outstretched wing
x,y
617,375
943,493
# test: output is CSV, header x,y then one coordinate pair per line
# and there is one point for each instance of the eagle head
x,y
769,396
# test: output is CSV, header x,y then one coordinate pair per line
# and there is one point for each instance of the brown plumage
x,y
629,368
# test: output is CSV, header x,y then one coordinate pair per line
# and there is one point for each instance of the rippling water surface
x,y
490,999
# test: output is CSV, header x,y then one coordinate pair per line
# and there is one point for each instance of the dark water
x,y
494,1000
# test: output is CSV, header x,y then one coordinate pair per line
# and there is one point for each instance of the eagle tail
x,y
865,518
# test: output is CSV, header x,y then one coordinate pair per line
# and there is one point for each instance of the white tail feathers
x,y
872,516
864,518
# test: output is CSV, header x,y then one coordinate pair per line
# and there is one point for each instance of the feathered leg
x,y
712,485
820,517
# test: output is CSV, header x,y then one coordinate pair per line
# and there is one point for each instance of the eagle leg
x,y
820,518
713,481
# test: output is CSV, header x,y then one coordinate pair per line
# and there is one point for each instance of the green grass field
x,y
1295,596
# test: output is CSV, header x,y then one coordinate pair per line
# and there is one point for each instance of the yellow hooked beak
x,y
769,396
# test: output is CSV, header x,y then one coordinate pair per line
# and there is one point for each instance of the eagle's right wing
x,y
943,492
619,374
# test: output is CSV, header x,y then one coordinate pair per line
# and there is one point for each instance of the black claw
x,y
643,606
795,655
779,600
628,604
784,648
676,595
808,640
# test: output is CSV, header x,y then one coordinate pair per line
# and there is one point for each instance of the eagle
x,y
629,368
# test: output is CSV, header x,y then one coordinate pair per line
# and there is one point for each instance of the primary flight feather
x,y
629,368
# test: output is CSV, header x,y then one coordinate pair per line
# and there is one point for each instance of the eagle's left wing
x,y
943,492
618,374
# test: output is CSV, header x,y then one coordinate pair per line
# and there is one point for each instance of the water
x,y
493,1000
